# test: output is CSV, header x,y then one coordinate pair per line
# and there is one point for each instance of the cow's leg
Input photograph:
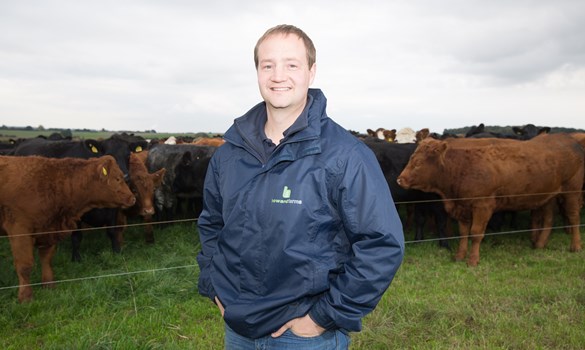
x,y
409,216
46,257
76,238
114,235
513,219
419,222
536,224
464,227
113,232
179,207
546,224
481,217
169,214
441,223
197,206
573,203
121,222
148,233
22,244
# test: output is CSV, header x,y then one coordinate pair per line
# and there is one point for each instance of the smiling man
x,y
300,237
285,72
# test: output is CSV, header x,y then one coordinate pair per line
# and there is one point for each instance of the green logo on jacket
x,y
286,193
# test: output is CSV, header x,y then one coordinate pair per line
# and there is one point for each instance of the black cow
x,y
525,132
393,157
529,131
186,166
59,149
120,147
98,217
7,147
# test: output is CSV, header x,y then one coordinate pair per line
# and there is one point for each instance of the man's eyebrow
x,y
266,60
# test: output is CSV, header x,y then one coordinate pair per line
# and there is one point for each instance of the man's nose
x,y
278,73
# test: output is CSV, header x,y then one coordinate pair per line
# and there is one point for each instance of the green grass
x,y
6,135
517,298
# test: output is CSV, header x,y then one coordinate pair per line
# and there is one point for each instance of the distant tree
x,y
67,133
29,128
40,128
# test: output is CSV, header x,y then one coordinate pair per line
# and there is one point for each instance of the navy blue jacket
x,y
313,229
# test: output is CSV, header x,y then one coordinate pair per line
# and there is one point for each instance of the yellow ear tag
x,y
94,149
138,149
104,171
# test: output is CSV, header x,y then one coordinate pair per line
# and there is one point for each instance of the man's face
x,y
284,76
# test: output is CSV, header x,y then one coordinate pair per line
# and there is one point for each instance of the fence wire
x,y
190,266
397,203
129,273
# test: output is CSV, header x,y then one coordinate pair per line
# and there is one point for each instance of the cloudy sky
x,y
187,66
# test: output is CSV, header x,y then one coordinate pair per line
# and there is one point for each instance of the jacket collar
x,y
245,132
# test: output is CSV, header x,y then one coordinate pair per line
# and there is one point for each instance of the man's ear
x,y
312,73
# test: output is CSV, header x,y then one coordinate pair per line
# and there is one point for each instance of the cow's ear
x,y
104,166
158,176
93,146
442,151
443,147
137,147
102,171
436,147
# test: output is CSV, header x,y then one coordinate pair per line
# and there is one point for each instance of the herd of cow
x,y
51,189
476,177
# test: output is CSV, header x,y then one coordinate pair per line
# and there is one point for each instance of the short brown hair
x,y
287,29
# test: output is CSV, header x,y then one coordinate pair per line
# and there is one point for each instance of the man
x,y
300,237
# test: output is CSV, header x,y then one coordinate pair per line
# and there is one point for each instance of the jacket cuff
x,y
212,294
318,315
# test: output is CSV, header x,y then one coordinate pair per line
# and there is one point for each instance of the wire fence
x,y
397,203
190,266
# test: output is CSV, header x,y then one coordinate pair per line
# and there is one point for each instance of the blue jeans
x,y
330,340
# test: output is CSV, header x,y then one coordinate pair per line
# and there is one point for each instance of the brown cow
x,y
422,134
143,185
142,155
477,177
209,141
580,137
41,200
382,134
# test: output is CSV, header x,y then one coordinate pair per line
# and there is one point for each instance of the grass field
x,y
6,135
146,298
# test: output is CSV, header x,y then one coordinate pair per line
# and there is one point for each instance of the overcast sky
x,y
187,66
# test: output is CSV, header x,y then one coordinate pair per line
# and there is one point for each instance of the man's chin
x,y
278,105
